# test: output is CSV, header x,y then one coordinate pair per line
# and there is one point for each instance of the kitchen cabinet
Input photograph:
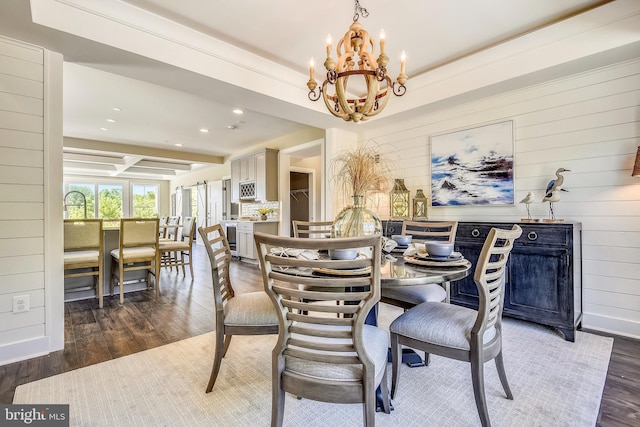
x,y
255,176
246,245
543,281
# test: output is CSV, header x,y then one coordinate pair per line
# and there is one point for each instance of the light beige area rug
x,y
554,382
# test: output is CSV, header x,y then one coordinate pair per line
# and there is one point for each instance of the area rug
x,y
554,382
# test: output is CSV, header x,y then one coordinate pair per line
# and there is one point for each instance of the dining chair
x,y
312,229
178,253
407,297
83,251
138,250
170,228
462,333
318,355
250,313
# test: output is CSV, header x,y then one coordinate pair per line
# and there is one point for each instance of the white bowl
x,y
438,249
402,239
343,254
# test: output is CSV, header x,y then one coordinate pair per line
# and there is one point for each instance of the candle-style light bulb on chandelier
x,y
357,42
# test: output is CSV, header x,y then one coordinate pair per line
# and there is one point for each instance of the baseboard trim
x,y
611,325
16,352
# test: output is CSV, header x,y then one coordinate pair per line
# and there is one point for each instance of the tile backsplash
x,y
248,210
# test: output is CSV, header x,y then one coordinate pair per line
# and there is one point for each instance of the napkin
x,y
295,253
415,249
388,244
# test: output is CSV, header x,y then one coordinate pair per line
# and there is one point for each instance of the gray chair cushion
x,y
376,342
250,309
438,323
416,294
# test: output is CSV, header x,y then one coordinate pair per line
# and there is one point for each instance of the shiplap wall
x,y
589,123
23,201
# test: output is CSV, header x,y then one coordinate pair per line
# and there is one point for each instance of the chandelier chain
x,y
359,11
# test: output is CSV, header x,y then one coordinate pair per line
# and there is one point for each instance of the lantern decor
x,y
420,203
399,200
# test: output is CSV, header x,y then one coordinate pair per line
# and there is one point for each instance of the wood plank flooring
x,y
94,335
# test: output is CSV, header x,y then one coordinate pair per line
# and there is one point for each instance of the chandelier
x,y
357,42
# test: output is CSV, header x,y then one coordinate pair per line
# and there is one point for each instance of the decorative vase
x,y
263,217
356,220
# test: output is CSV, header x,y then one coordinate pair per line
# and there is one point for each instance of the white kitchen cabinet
x,y
245,230
259,173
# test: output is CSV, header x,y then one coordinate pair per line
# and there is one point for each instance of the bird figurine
x,y
529,198
556,183
552,193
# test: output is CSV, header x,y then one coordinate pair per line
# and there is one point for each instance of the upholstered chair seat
x,y
440,324
250,309
79,257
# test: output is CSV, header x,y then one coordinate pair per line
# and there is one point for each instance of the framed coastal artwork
x,y
473,166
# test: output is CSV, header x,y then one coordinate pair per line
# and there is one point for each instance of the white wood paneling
x,y
21,193
22,246
17,211
21,104
36,299
9,321
21,86
21,264
589,123
20,51
18,283
21,175
22,334
31,228
20,68
20,157
22,201
18,139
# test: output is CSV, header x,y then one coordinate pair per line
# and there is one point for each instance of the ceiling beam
x,y
90,158
137,150
163,165
89,166
135,169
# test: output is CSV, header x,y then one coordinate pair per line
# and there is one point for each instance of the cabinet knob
x,y
475,232
532,235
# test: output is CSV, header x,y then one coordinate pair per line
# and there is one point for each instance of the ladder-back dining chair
x,y
462,333
83,251
138,250
409,296
250,313
311,229
178,253
320,356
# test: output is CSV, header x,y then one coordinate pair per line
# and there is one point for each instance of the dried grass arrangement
x,y
361,170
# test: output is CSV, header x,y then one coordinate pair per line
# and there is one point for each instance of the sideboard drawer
x,y
532,234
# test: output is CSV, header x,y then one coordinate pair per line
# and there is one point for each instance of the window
x,y
110,201
145,200
75,205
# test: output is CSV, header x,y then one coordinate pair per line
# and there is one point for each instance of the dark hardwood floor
x,y
184,309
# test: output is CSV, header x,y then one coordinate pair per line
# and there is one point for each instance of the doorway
x,y
299,200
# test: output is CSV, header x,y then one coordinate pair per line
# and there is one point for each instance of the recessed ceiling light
x,y
116,109
238,111
111,120
203,130
104,129
178,145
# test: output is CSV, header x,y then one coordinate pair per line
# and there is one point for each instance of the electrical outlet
x,y
21,303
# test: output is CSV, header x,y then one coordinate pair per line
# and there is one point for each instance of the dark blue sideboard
x,y
544,274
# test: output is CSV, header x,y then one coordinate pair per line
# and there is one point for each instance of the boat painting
x,y
473,166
